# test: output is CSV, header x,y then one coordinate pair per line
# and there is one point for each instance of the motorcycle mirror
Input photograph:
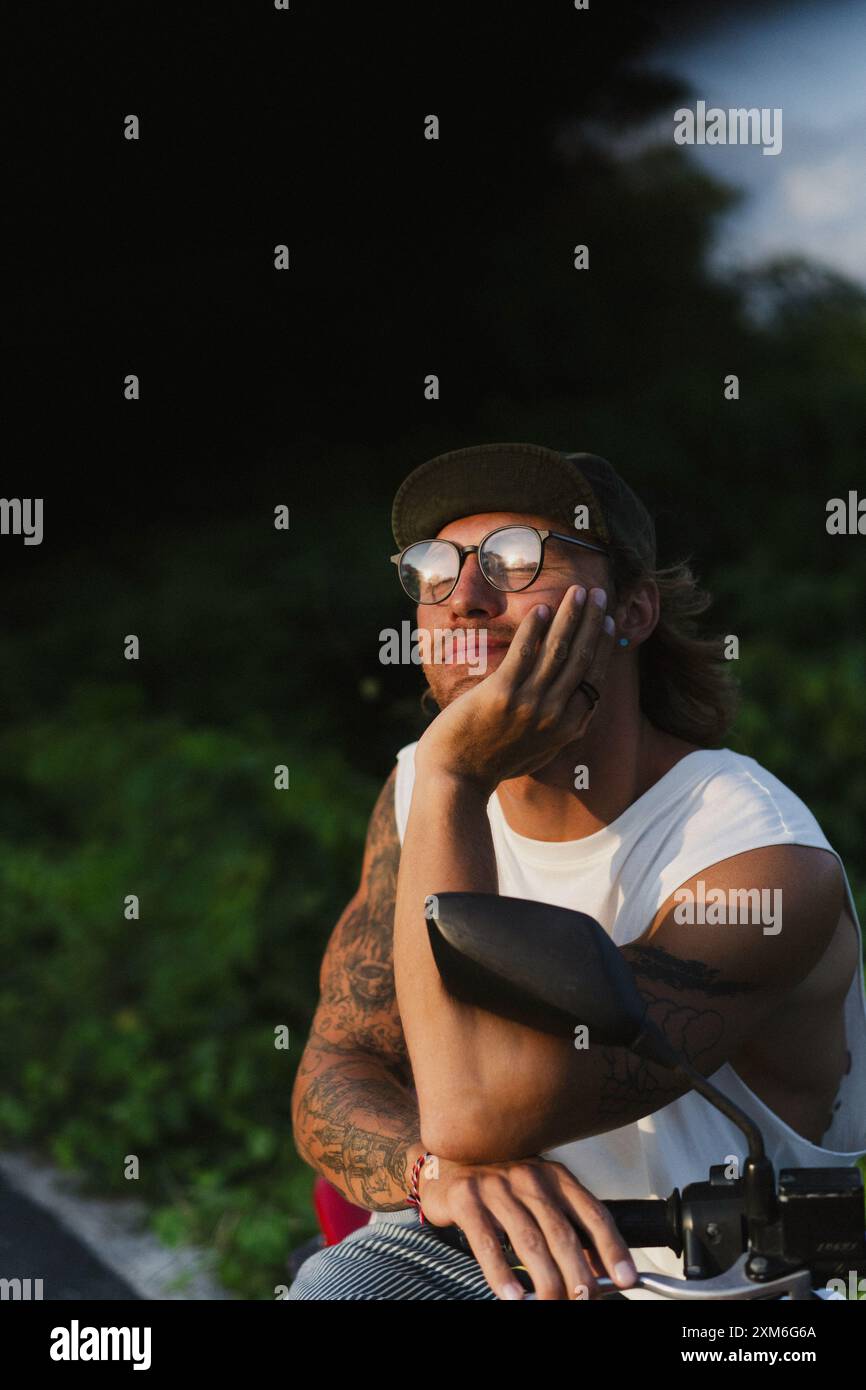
x,y
547,967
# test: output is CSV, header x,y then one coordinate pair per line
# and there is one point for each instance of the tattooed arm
x,y
356,1118
709,988
354,1110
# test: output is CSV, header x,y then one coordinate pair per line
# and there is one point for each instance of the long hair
x,y
687,686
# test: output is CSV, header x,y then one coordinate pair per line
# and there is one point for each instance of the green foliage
x,y
156,1037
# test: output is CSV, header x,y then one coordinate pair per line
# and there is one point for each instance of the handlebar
x,y
818,1235
648,1222
642,1222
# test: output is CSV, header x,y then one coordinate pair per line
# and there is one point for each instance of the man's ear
x,y
637,612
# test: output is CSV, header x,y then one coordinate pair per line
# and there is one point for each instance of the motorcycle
x,y
756,1236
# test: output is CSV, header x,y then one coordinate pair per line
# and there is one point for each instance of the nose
x,y
472,596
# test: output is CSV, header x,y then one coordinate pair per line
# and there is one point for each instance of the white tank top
x,y
712,804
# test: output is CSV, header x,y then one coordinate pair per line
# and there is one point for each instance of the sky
x,y
809,60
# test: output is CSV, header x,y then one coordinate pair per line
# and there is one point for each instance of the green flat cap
x,y
525,478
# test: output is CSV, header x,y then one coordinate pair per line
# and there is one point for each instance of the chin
x,y
461,682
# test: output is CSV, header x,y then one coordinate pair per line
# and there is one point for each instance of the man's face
x,y
475,603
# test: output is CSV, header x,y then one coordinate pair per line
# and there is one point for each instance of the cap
x,y
523,478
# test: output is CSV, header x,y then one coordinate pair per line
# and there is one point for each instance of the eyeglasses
x,y
510,558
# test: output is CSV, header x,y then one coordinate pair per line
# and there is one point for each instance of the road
x,y
34,1245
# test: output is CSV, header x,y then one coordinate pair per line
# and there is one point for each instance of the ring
x,y
590,692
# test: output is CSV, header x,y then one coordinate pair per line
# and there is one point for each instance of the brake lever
x,y
732,1284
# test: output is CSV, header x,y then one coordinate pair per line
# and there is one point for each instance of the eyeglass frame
x,y
464,550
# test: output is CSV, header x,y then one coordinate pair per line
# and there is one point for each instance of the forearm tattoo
x,y
356,1114
355,1128
629,1082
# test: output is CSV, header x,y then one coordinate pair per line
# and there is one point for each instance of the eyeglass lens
x,y
429,570
508,559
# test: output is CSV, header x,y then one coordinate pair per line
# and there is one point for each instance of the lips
x,y
492,643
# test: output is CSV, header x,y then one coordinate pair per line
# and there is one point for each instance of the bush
x,y
155,1037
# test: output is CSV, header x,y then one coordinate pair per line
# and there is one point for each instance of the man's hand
x,y
535,1202
518,718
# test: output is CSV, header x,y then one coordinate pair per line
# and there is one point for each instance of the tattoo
x,y
356,1118
630,1081
655,964
318,1044
356,1129
359,1001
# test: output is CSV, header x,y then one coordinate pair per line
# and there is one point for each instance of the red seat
x,y
337,1216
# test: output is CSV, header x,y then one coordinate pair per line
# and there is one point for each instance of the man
x,y
582,769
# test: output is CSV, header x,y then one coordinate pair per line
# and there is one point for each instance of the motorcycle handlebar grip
x,y
648,1221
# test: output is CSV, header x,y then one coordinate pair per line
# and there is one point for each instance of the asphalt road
x,y
34,1245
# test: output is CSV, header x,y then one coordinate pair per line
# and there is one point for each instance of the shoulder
x,y
773,908
382,844
742,832
390,813
737,773
735,793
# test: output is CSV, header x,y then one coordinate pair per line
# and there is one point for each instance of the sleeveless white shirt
x,y
711,805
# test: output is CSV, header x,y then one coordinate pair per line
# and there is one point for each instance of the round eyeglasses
x,y
510,558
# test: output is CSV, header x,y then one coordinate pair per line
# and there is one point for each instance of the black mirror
x,y
546,967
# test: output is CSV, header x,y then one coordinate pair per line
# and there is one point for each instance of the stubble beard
x,y
447,683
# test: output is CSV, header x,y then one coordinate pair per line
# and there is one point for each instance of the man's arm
x,y
354,1112
356,1118
709,988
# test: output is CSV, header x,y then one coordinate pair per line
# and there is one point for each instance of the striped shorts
x,y
393,1257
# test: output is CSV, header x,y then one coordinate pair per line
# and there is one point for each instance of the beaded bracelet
x,y
413,1195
